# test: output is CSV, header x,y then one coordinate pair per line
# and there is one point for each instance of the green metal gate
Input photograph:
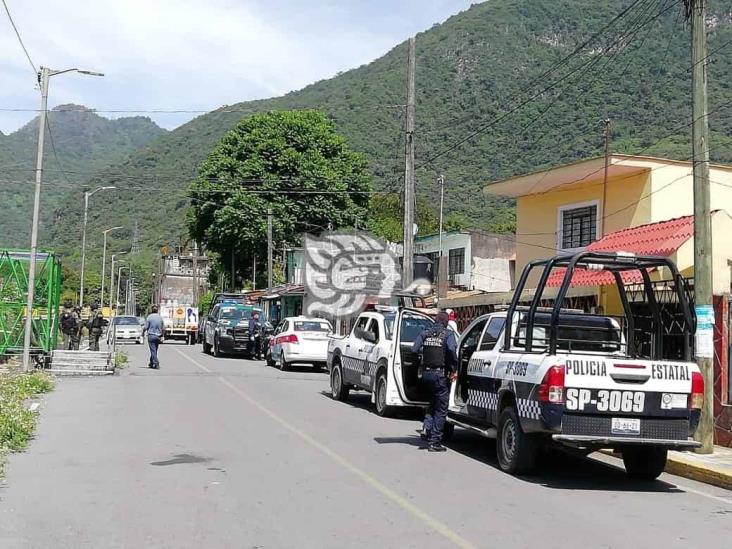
x,y
14,266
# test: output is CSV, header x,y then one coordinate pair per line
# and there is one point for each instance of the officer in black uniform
x,y
438,350
96,325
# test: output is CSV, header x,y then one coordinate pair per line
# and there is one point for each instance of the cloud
x,y
186,54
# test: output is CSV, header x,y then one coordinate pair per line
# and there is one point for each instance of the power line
x,y
547,88
20,40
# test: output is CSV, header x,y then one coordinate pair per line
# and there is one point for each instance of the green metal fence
x,y
14,266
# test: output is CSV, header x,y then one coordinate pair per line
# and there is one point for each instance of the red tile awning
x,y
661,239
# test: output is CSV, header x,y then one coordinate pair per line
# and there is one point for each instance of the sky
x,y
193,54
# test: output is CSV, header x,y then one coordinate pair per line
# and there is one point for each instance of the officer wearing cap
x,y
437,347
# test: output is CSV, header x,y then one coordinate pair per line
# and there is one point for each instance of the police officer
x,y
438,350
76,332
68,325
254,335
96,323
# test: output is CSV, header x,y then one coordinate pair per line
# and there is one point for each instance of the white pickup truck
x,y
377,357
580,380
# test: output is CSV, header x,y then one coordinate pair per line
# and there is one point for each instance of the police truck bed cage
x,y
556,320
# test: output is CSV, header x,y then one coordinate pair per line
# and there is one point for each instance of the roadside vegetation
x,y
121,359
17,420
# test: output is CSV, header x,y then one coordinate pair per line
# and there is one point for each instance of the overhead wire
x,y
20,40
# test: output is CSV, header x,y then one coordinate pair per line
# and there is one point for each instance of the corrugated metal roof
x,y
662,238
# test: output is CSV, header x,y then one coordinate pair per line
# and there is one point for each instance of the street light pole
x,y
87,195
43,77
104,264
119,277
111,281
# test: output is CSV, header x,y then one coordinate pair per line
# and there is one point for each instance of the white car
x,y
299,340
124,329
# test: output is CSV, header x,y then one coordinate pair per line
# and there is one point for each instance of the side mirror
x,y
370,337
359,333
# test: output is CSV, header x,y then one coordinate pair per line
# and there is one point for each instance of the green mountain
x,y
79,144
504,87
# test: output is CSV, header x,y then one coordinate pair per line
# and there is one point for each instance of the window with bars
x,y
456,261
579,226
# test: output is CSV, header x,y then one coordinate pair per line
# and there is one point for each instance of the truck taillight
x,y
552,386
696,398
291,338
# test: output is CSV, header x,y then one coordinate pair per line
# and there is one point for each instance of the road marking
x,y
425,517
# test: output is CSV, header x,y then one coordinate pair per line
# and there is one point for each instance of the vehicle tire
x,y
380,395
515,449
644,462
338,390
206,347
283,365
268,359
217,349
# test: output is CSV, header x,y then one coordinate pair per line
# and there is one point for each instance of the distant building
x,y
475,260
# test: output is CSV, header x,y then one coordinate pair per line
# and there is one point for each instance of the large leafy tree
x,y
292,162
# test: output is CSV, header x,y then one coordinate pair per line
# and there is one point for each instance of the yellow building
x,y
568,207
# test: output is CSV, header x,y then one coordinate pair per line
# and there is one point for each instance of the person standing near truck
x,y
154,329
254,335
438,350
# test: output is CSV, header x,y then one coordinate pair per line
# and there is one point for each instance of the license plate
x,y
625,426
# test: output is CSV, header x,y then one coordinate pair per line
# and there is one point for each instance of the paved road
x,y
212,453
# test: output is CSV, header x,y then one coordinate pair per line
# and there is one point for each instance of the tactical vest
x,y
433,348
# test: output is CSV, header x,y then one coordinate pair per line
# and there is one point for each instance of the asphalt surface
x,y
210,453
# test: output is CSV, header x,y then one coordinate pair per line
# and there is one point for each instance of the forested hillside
x,y
79,144
503,88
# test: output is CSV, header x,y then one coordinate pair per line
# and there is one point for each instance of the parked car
x,y
589,382
377,357
124,329
227,329
299,340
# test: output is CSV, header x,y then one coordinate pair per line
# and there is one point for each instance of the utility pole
x,y
269,250
43,77
606,137
441,180
233,271
87,196
702,222
254,272
408,244
195,273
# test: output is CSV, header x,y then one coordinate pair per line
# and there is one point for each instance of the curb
x,y
682,467
678,465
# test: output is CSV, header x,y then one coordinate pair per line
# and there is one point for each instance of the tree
x,y
386,218
293,162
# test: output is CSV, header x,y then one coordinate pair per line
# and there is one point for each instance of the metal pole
x,y
111,286
119,277
269,250
104,260
254,273
439,253
702,220
43,77
606,136
83,248
408,244
195,274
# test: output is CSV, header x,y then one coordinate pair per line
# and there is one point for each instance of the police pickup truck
x,y
377,357
533,376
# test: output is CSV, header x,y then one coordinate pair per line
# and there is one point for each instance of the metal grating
x,y
667,429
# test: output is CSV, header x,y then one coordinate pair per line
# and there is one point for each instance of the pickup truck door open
x,y
480,386
405,363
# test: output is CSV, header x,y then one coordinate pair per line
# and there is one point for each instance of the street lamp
x,y
43,77
104,262
87,195
111,281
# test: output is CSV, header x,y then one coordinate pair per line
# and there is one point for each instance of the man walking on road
x,y
438,349
154,330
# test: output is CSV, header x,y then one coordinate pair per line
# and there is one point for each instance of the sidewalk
x,y
715,469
